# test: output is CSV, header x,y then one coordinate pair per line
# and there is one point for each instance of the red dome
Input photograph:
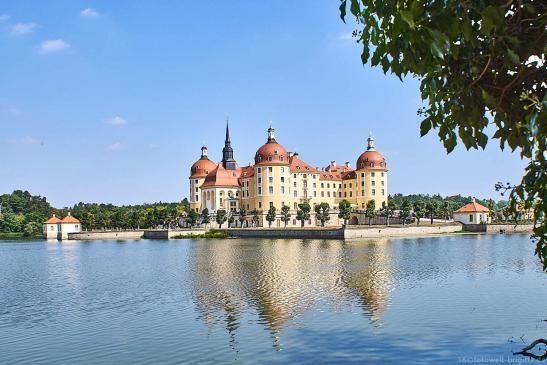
x,y
272,153
202,167
371,160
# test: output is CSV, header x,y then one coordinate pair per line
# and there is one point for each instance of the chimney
x,y
68,214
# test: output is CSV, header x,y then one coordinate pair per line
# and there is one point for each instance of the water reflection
x,y
280,280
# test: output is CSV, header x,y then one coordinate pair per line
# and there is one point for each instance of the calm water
x,y
423,300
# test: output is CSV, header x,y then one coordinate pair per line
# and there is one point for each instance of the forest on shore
x,y
22,214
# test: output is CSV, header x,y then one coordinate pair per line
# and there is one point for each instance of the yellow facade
x,y
281,178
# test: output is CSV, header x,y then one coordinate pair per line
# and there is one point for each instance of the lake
x,y
435,300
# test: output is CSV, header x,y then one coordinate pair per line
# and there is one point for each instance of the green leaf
x,y
513,56
467,30
425,127
407,17
342,9
354,8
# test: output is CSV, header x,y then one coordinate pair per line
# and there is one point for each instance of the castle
x,y
280,178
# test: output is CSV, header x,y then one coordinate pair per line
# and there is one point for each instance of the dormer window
x,y
275,152
270,158
281,157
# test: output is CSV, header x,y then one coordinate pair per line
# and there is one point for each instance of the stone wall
x,y
317,233
164,234
106,235
509,228
378,232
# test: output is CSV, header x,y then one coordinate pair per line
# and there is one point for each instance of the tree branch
x,y
483,71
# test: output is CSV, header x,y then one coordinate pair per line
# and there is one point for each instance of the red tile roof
x,y
473,207
69,219
297,165
222,177
53,220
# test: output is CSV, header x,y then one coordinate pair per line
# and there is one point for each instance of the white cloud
x,y
53,45
4,17
347,36
118,146
117,120
89,13
22,28
28,140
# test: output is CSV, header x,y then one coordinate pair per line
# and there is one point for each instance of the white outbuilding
x,y
472,213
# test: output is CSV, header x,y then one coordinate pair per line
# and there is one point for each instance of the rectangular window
x,y
282,179
322,194
314,185
382,182
295,206
373,192
470,217
270,179
270,190
197,197
305,176
294,184
295,176
260,180
271,204
363,183
259,205
350,194
345,186
259,170
295,193
282,190
339,194
345,194
383,193
322,185
197,190
282,169
382,174
362,193
328,194
373,183
259,190
270,169
314,194
328,185
363,175
372,174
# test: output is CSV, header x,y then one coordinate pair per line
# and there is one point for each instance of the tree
x,y
221,217
231,220
242,216
322,213
270,216
431,208
344,208
479,63
388,210
303,213
446,210
404,213
192,217
285,215
205,217
370,211
419,210
256,217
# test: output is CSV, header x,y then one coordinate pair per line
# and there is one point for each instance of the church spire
x,y
228,152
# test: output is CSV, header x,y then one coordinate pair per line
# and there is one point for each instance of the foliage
x,y
242,216
231,221
431,208
479,63
322,213
420,210
285,215
209,234
256,217
303,213
370,211
192,217
388,210
205,217
344,208
270,216
404,213
221,217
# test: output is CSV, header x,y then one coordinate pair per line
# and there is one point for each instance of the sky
x,y
110,101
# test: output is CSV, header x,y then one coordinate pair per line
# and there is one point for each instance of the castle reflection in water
x,y
282,279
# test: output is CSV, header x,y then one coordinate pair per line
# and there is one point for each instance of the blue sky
x,y
110,101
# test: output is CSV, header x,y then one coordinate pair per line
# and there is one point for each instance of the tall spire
x,y
227,132
228,152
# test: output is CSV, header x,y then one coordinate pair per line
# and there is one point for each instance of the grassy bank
x,y
18,236
210,234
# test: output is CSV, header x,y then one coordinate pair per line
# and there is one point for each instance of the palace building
x,y
279,178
